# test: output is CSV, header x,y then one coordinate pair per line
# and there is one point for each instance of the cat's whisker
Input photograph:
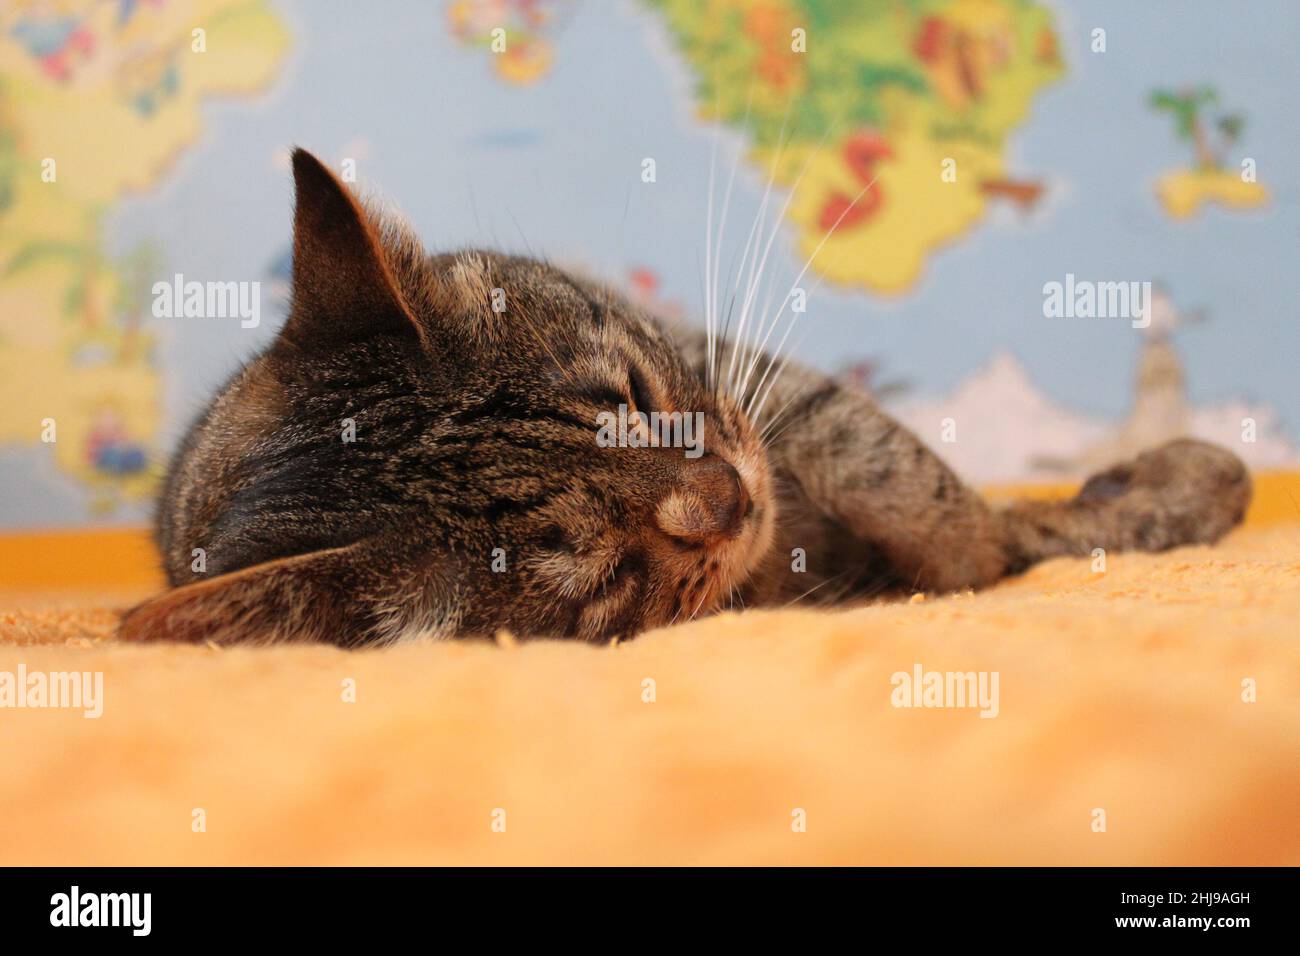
x,y
740,347
712,295
676,614
770,440
879,587
750,347
519,229
765,434
755,269
755,354
473,205
738,343
794,601
709,323
772,363
704,593
739,393
768,392
776,229
758,402
745,351
710,300
807,265
724,342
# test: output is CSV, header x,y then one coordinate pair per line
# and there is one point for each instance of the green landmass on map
x,y
888,118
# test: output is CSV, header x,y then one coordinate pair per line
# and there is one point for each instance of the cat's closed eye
x,y
625,571
605,396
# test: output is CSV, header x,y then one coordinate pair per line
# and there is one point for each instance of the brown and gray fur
x,y
475,430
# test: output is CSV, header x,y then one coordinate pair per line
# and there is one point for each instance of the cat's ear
x,y
342,596
343,285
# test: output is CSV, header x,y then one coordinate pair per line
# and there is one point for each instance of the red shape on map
x,y
930,39
862,151
840,211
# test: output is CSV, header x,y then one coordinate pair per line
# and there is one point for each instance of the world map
x,y
890,130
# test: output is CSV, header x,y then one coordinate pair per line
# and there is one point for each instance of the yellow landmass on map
x,y
1183,192
918,211
100,107
897,118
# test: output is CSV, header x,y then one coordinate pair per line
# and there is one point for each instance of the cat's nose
x,y
714,506
727,496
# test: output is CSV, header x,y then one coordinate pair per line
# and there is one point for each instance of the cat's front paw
x,y
1183,492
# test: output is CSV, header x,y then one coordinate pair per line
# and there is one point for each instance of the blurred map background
x,y
128,155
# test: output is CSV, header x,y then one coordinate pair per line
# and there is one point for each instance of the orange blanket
x,y
748,738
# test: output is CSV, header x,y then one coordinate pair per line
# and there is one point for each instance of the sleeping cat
x,y
417,454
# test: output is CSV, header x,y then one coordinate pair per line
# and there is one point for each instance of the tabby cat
x,y
416,454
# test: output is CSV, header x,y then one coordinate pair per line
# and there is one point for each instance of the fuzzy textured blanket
x,y
1149,714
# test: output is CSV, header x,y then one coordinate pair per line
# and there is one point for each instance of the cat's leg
x,y
864,471
1184,492
858,466
349,596
848,465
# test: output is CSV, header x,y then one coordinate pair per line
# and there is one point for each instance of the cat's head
x,y
624,492
599,487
